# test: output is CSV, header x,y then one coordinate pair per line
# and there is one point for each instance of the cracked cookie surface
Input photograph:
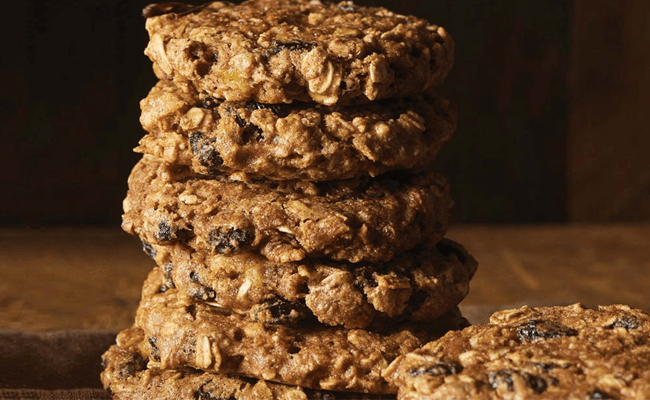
x,y
182,332
127,377
365,219
292,141
418,285
279,51
567,352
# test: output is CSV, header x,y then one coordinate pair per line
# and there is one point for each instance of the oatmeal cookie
x,y
546,353
309,142
127,377
184,333
366,219
418,285
274,51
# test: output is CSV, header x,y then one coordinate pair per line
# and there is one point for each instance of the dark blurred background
x,y
552,98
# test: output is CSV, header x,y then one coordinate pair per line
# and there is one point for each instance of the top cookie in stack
x,y
287,198
281,51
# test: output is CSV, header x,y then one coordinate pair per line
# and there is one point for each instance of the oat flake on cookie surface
x,y
558,353
278,51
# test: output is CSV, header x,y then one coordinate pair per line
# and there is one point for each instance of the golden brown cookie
x,y
366,219
303,141
418,285
126,376
181,332
274,51
534,353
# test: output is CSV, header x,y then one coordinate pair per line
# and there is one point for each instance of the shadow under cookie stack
x,y
287,198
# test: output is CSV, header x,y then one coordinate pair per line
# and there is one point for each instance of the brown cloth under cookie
x,y
52,360
65,365
73,394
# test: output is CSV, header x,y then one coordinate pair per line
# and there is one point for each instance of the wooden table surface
x,y
90,278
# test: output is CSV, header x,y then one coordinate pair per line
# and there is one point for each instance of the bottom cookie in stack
x,y
127,376
179,333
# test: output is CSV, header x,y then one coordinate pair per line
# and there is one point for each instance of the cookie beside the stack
x,y
286,195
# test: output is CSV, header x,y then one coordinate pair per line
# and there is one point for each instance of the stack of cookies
x,y
287,198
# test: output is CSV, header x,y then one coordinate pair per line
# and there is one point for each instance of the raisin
x,y
129,368
278,311
191,309
197,50
252,132
155,351
196,139
229,240
209,103
165,232
291,46
536,382
364,278
627,321
241,122
447,247
540,329
501,377
546,367
167,270
151,252
203,293
347,7
282,111
438,369
104,363
203,149
204,394
163,288
167,273
598,394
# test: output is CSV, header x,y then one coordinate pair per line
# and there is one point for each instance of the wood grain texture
x,y
607,150
90,278
82,278
507,162
559,264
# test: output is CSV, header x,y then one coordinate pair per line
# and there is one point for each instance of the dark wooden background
x,y
553,97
